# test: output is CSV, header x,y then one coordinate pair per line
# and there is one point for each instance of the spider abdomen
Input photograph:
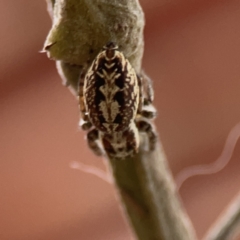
x,y
111,91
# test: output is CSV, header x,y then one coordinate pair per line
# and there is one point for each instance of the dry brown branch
x,y
227,225
144,182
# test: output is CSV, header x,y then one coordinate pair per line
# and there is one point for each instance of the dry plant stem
x,y
149,195
228,223
145,185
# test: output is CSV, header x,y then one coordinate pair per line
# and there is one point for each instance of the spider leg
x,y
148,111
148,89
84,122
146,108
92,137
147,127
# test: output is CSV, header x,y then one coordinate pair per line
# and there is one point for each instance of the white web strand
x,y
92,170
217,165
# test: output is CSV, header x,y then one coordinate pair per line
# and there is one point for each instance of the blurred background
x,y
192,55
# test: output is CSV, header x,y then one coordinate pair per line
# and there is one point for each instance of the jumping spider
x,y
115,105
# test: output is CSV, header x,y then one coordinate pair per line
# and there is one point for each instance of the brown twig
x,y
227,225
144,182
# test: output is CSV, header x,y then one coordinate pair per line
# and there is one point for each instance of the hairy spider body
x,y
111,103
111,91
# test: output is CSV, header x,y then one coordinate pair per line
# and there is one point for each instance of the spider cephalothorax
x,y
114,104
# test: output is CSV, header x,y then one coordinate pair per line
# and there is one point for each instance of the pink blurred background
x,y
192,54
